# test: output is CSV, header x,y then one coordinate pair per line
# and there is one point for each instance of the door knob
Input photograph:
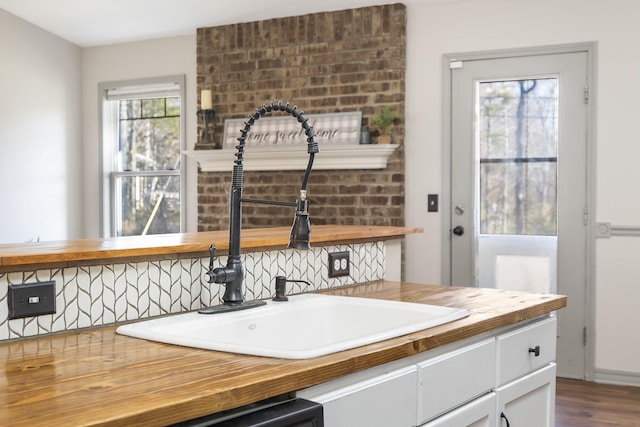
x,y
458,230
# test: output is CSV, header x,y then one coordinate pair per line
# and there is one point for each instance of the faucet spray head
x,y
301,228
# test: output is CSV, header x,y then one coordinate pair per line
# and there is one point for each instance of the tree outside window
x,y
517,150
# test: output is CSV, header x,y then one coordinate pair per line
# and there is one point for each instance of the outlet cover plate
x,y
32,299
339,264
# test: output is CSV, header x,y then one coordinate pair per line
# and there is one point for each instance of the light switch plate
x,y
432,203
31,299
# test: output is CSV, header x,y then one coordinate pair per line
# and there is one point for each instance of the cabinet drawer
x,y
517,349
386,400
455,378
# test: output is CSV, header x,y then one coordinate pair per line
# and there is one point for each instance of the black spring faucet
x,y
232,275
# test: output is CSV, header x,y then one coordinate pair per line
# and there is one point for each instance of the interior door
x,y
519,183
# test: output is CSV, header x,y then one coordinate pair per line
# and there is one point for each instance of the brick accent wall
x,y
351,60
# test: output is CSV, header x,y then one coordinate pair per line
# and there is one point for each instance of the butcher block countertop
x,y
98,378
69,252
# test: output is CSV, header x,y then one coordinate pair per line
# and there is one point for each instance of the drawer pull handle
x,y
535,350
504,417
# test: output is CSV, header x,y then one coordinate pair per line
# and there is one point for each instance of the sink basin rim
x,y
176,329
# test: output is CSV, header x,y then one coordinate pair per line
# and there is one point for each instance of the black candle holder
x,y
206,136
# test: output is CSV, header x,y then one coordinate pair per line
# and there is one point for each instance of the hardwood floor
x,y
588,404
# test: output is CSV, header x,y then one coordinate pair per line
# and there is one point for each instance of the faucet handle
x,y
209,276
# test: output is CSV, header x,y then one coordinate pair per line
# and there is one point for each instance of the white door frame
x,y
445,206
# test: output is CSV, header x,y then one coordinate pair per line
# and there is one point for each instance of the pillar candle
x,y
206,102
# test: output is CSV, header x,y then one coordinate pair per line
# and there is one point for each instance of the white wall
x,y
153,58
40,145
472,25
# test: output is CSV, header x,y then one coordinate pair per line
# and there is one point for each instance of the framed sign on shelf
x,y
286,131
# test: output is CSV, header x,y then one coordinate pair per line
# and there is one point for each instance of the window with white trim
x,y
142,144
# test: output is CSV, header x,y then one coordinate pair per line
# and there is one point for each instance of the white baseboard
x,y
607,376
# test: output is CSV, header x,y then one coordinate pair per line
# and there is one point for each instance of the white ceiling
x,y
100,22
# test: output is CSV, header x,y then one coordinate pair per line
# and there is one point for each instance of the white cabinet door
x,y
388,400
529,401
478,413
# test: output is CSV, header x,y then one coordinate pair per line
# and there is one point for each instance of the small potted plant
x,y
383,122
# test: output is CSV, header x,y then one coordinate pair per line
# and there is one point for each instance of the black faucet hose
x,y
233,273
312,145
307,173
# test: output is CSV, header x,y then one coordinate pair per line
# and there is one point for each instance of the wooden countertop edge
x,y
70,252
265,377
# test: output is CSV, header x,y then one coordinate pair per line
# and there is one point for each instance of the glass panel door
x,y
517,140
518,176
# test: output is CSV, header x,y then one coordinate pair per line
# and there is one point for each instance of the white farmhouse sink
x,y
306,326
